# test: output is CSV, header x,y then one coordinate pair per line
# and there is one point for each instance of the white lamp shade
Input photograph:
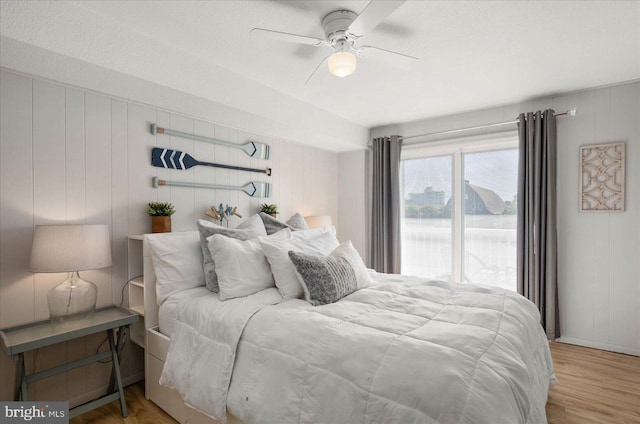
x,y
317,221
68,248
342,64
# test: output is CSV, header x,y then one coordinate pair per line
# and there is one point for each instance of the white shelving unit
x,y
136,288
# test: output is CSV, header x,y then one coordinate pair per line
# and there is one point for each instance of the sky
x,y
496,170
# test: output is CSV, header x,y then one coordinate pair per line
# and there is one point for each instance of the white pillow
x,y
177,262
284,273
241,266
250,228
348,252
309,234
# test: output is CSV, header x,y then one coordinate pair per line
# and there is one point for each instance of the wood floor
x,y
594,387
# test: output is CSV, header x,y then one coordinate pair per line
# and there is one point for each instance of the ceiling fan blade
x,y
374,13
399,60
291,38
363,49
316,70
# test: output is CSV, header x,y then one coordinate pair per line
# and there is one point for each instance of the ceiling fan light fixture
x,y
342,64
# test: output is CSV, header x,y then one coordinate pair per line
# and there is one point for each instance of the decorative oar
x,y
175,159
253,189
252,148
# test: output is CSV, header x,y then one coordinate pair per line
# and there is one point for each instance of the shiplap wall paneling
x,y
98,211
132,357
575,271
221,176
16,212
203,199
49,197
602,242
75,169
625,247
163,119
182,197
75,184
49,167
119,198
140,141
250,203
236,179
98,180
16,208
274,180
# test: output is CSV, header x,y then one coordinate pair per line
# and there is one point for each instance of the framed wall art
x,y
602,177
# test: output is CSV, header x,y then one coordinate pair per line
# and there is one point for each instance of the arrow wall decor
x,y
252,148
175,159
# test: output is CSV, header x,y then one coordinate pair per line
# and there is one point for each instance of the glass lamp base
x,y
72,300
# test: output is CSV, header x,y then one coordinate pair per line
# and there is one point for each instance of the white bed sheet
x,y
167,311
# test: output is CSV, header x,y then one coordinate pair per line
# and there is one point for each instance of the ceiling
x,y
474,54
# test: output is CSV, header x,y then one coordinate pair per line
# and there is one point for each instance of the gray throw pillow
x,y
251,228
325,279
273,225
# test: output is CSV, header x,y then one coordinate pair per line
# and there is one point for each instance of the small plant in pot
x,y
160,213
271,209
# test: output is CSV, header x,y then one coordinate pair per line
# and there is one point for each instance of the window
x,y
459,220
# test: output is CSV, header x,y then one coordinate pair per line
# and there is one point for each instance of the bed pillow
x,y
284,273
252,227
348,252
241,267
309,234
327,279
273,225
177,262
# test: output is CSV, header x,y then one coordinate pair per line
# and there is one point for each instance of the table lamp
x,y
71,248
317,221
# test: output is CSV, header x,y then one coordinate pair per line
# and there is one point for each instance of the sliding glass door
x,y
459,218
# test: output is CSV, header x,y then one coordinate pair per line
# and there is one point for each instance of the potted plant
x,y
271,209
160,213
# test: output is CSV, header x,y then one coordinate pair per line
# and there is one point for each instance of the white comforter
x,y
406,350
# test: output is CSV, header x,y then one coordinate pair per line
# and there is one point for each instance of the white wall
x,y
352,188
69,155
599,253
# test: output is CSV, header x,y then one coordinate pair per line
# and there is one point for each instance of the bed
x,y
401,349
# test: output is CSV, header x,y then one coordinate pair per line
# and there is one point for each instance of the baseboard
x,y
94,394
602,346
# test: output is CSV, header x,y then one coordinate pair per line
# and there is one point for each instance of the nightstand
x,y
18,340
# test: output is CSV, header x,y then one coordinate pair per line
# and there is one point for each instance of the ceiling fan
x,y
343,29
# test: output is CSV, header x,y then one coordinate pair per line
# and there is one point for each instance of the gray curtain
x,y
537,217
385,199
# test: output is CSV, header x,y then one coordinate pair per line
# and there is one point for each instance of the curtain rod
x,y
571,112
